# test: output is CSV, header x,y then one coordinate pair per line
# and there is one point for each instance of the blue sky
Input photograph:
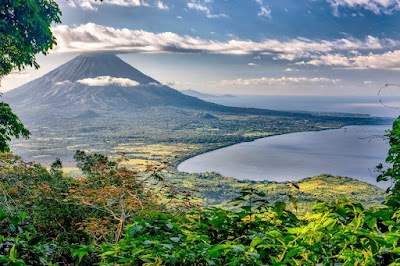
x,y
266,47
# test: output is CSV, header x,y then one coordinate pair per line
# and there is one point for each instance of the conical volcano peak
x,y
97,81
94,65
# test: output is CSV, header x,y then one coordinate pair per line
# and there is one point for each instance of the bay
x,y
351,151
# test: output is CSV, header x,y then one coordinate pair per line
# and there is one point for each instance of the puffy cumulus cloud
x,y
265,11
376,6
107,80
93,37
93,4
204,7
277,81
388,60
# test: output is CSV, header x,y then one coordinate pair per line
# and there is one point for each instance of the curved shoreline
x,y
179,162
185,158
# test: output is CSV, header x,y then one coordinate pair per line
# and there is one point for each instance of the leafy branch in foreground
x,y
392,173
10,126
25,32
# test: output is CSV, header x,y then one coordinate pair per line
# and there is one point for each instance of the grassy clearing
x,y
155,152
257,134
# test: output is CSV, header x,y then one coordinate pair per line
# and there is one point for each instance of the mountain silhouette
x,y
103,82
97,81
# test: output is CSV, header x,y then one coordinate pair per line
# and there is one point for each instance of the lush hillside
x,y
216,190
114,216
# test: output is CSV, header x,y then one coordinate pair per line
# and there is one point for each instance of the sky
x,y
248,47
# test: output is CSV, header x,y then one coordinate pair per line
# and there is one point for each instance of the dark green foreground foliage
x,y
339,232
10,126
114,216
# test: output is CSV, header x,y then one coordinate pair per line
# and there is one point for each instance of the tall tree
x,y
24,33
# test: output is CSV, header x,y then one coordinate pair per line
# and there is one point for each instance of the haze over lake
x,y
372,105
351,151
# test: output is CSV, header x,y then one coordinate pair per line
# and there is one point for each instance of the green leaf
x,y
22,216
13,253
329,223
279,207
255,242
12,228
238,249
293,200
254,256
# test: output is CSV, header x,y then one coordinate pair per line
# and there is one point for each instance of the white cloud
x,y
277,81
161,5
92,4
388,60
107,80
265,11
203,6
291,70
376,6
65,82
93,37
252,64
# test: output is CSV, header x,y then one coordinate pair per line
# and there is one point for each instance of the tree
x,y
10,125
392,173
24,33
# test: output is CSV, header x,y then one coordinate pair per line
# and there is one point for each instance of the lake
x,y
351,151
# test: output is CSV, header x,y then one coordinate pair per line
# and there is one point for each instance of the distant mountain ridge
x,y
202,95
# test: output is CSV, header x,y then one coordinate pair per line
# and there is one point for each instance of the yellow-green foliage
x,y
155,151
218,190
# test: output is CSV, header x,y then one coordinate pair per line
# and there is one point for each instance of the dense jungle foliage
x,y
112,215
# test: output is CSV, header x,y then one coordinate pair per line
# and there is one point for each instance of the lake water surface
x,y
351,151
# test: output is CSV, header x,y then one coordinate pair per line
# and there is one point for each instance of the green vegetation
x,y
24,32
217,190
116,216
113,215
10,126
159,133
393,173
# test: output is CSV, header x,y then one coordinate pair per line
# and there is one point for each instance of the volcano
x,y
98,82
102,82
